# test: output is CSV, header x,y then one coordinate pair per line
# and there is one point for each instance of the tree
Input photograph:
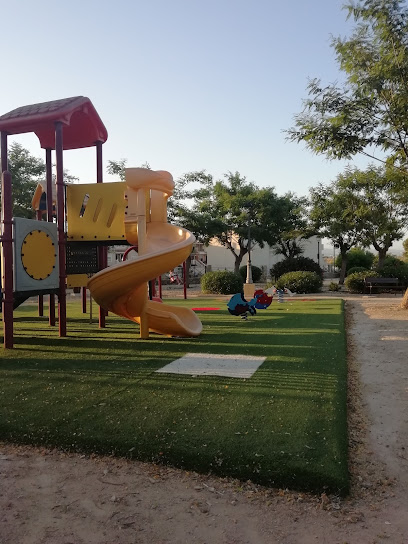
x,y
294,225
26,172
405,254
383,208
333,215
368,112
357,257
117,168
234,211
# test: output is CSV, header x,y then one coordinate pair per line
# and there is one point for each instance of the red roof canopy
x,y
82,125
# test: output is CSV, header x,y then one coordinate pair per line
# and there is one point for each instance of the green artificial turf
x,y
96,391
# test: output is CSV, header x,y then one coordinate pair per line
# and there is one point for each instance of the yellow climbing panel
x,y
96,212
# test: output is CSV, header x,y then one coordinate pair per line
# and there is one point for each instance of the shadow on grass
x,y
97,390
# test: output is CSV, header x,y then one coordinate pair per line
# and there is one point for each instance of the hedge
x,y
295,264
300,282
221,282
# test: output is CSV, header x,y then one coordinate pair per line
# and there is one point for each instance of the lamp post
x,y
249,266
249,287
334,256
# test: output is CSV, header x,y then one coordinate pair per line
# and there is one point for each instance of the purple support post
x,y
40,305
50,218
7,243
62,298
102,253
160,287
184,279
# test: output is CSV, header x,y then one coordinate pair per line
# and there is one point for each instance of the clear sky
x,y
183,84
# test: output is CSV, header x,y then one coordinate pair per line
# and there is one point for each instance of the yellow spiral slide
x,y
122,289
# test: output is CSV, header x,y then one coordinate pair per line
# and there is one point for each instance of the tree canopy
x,y
293,225
405,253
368,111
383,205
225,210
26,172
357,257
117,168
333,215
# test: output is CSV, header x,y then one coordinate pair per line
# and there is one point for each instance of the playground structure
x,y
43,257
122,288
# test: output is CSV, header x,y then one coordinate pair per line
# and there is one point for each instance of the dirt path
x,y
51,498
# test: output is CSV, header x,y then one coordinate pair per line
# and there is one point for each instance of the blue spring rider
x,y
239,306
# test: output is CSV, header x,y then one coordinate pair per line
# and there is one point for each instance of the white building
x,y
221,258
218,257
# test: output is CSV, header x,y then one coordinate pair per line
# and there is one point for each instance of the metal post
x,y
102,251
50,219
249,267
83,293
4,152
184,280
62,298
249,287
7,247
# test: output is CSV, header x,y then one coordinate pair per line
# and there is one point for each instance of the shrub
x,y
295,264
256,273
221,282
393,268
358,269
357,257
333,286
300,282
355,282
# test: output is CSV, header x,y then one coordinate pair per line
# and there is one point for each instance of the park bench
x,y
388,284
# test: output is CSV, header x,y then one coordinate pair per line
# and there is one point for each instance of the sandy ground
x,y
47,497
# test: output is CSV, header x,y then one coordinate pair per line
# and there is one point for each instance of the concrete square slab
x,y
210,364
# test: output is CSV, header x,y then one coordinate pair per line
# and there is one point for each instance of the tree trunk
x,y
343,267
238,261
404,302
238,257
382,253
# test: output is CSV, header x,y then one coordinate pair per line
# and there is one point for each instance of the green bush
x,y
256,273
356,257
333,286
221,282
300,282
295,264
358,269
355,282
392,268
